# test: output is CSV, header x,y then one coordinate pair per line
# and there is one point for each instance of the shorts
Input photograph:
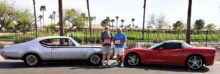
x,y
119,51
106,49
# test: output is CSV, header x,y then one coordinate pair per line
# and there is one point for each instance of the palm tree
x,y
54,16
116,21
35,19
43,9
112,23
61,19
188,22
122,21
143,20
51,17
133,22
90,27
40,18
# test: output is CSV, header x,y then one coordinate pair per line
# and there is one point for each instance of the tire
x,y
132,59
31,60
194,62
95,59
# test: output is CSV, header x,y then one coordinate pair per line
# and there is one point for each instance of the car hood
x,y
138,48
90,46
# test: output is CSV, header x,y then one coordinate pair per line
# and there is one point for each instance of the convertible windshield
x,y
156,45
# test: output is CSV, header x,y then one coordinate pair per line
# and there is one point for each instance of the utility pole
x,y
35,20
143,20
189,22
61,17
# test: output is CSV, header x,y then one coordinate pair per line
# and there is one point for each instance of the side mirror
x,y
161,48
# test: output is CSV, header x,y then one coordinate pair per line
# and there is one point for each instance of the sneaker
x,y
103,63
116,64
107,64
122,64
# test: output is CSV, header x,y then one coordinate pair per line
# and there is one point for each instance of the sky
x,y
173,10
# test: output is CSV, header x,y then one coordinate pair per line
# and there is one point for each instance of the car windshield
x,y
76,43
156,45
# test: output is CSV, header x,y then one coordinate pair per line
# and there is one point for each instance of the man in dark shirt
x,y
106,46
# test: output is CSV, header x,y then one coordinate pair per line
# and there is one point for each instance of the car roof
x,y
48,37
174,41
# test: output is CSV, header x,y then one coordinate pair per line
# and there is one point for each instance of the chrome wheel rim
x,y
195,62
95,59
133,59
31,60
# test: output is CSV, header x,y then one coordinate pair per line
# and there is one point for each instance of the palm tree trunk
x,y
188,22
35,20
61,17
143,19
90,25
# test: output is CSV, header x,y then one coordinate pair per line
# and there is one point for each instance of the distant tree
x,y
24,21
51,18
122,21
106,22
210,26
159,22
178,25
133,22
112,23
7,14
43,9
74,17
40,18
199,24
116,21
54,16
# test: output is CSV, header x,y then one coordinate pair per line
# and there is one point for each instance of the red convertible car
x,y
172,52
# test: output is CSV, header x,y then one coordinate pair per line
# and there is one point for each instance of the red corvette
x,y
172,52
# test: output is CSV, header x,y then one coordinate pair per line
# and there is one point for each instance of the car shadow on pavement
x,y
86,65
169,68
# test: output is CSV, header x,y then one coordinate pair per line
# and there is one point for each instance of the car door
x,y
175,54
158,55
66,51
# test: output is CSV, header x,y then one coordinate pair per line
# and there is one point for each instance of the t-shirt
x,y
122,37
105,38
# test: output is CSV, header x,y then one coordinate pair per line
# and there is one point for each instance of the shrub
x,y
146,45
99,40
131,38
1,46
92,40
23,39
79,40
158,40
86,40
130,45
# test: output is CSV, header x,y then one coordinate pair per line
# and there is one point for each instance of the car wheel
x,y
95,59
132,59
194,62
31,60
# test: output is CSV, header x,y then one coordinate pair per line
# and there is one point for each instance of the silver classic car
x,y
52,48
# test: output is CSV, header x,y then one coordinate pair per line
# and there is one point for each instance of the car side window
x,y
57,42
158,47
168,46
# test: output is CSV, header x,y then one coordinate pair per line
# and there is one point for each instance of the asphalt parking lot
x,y
18,67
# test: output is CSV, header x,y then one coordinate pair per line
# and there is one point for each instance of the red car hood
x,y
138,48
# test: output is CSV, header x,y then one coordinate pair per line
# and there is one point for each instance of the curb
x,y
1,58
